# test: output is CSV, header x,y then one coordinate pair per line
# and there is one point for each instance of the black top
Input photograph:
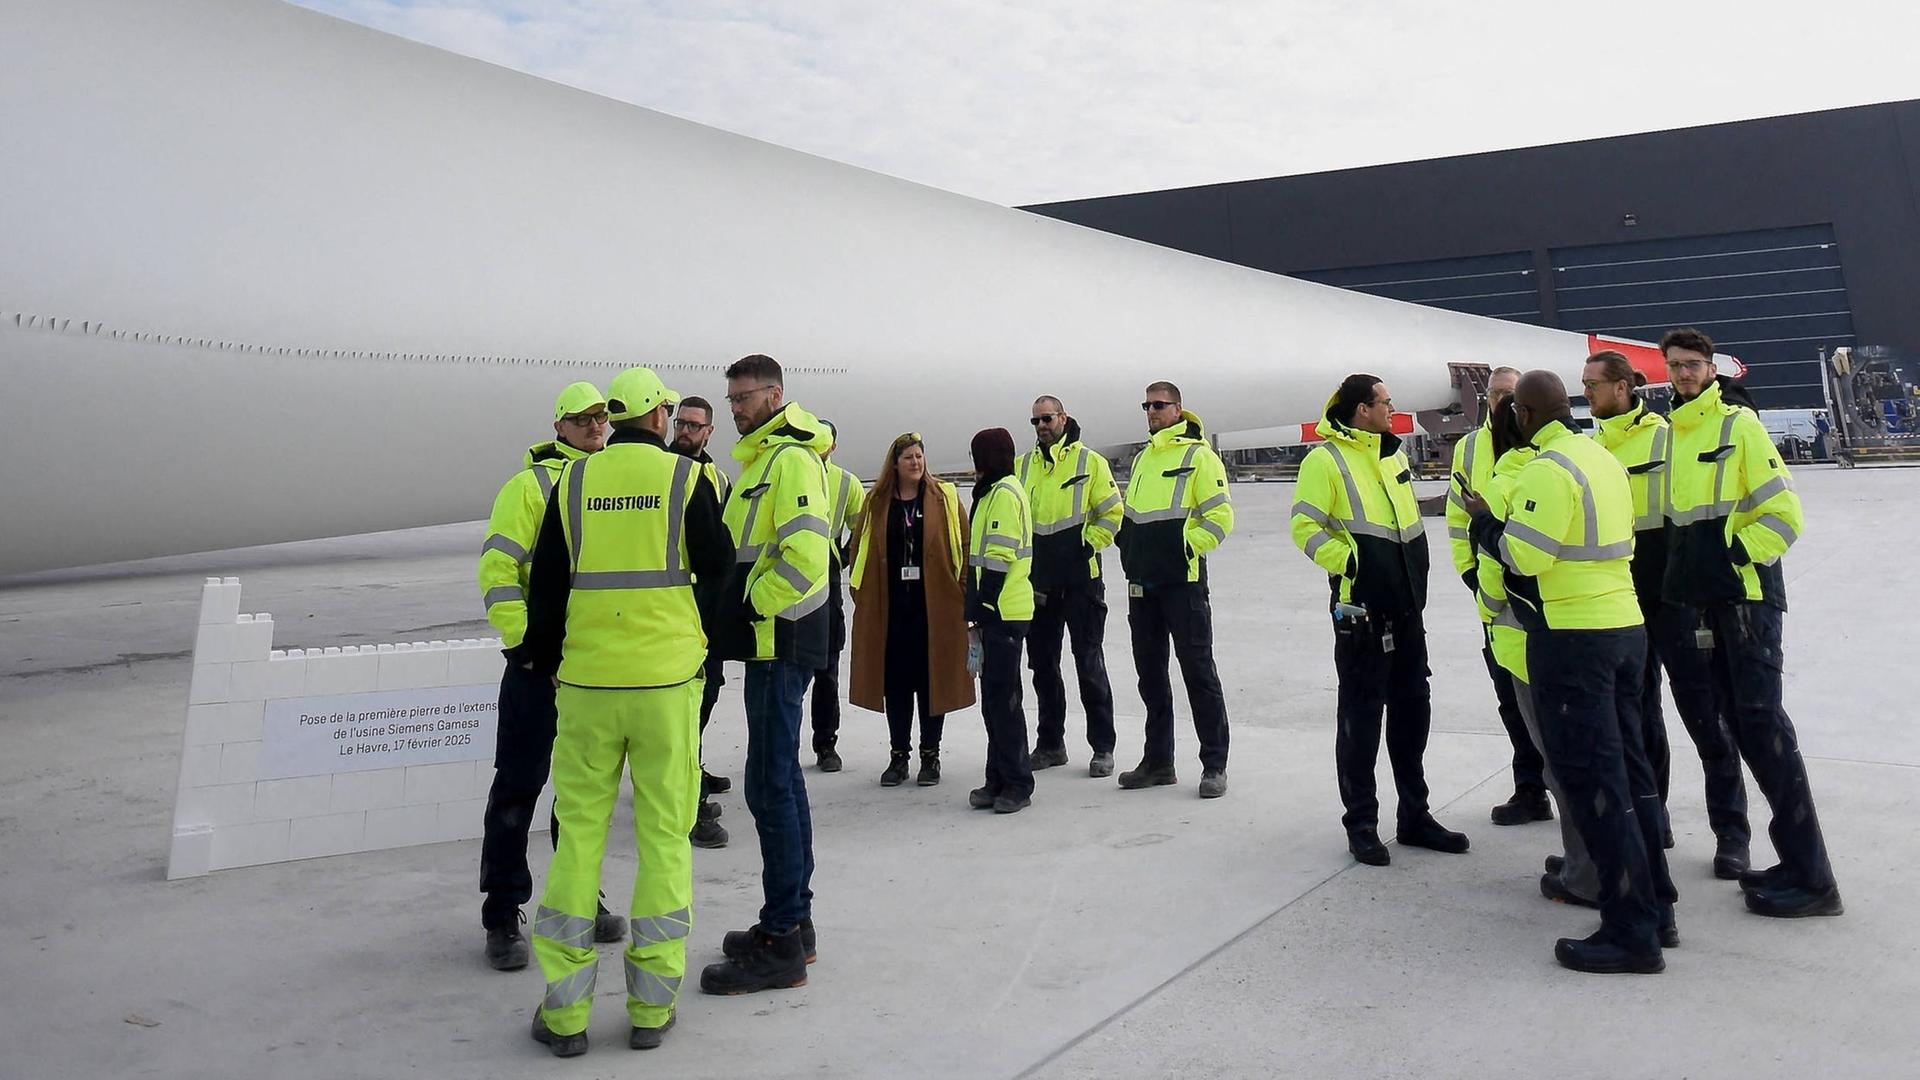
x,y
906,533
709,556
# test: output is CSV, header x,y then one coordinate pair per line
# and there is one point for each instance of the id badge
x,y
1386,640
1136,591
1702,638
909,573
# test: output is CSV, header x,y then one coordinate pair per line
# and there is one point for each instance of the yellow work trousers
x,y
656,734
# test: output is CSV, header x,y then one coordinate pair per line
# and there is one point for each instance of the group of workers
x,y
622,567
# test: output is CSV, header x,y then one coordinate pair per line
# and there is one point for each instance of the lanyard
x,y
910,513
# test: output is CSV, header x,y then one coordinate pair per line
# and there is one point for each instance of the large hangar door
x,y
1772,298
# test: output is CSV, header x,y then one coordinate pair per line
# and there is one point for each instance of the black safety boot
x,y
1433,836
737,942
1146,775
767,963
1731,856
1528,804
1555,864
1794,902
829,760
1669,929
561,1045
1366,847
1213,783
929,768
981,798
896,773
1048,757
1101,765
607,926
708,833
1009,804
1773,877
506,947
713,785
649,1038
1556,890
710,810
1599,956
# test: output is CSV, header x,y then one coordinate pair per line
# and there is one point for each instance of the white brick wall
x,y
224,816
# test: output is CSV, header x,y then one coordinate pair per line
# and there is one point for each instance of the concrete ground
x,y
1100,933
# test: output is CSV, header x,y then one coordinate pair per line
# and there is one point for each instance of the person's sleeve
x,y
965,534
1459,523
511,531
547,592
799,566
1543,504
709,550
999,548
1214,510
1312,525
1769,493
856,502
1104,509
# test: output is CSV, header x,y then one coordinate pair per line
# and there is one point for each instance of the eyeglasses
x,y
743,396
1689,365
1045,418
587,419
684,424
1156,406
1591,385
1388,402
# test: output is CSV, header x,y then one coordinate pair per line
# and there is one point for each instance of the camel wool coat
x,y
950,688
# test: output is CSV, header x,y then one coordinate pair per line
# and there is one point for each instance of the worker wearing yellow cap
x,y
525,739
611,617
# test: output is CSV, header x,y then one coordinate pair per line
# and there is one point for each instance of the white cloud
x,y
1052,99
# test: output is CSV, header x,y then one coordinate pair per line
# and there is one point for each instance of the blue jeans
x,y
776,793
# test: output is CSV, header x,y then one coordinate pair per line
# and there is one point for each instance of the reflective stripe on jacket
x,y
1638,441
1076,510
506,556
1000,556
1570,528
775,607
1473,459
1356,517
1731,509
846,496
1176,507
1505,636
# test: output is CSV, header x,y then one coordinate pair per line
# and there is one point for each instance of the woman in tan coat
x,y
909,616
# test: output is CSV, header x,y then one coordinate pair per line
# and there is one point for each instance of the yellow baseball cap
x,y
577,398
637,391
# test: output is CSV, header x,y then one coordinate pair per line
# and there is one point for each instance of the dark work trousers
x,y
1586,691
1747,662
906,676
1670,631
1009,772
1376,682
1077,611
522,753
1526,759
1180,614
826,681
715,671
776,691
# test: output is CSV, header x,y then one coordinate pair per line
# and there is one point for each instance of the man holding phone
x,y
1355,516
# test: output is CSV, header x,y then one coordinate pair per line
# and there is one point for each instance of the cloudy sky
x,y
1021,102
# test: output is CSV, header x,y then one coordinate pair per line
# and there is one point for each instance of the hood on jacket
x,y
1067,438
1188,430
1730,392
553,450
792,425
1334,431
1735,392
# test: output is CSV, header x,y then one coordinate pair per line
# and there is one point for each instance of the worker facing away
x,y
613,620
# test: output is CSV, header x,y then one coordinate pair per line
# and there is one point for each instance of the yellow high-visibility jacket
x,y
1473,459
1505,635
775,606
1076,509
1000,556
846,496
1637,439
1570,528
506,558
1731,509
1355,516
1176,507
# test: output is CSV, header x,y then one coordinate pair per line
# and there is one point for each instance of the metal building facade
x,y
1778,236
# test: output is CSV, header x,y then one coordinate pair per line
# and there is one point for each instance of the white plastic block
x,y
473,664
249,681
250,845
295,797
215,804
239,762
439,783
200,766
224,722
210,682
401,826
219,602
253,640
370,790
462,819
334,672
383,649
286,677
213,643
333,834
410,669
192,852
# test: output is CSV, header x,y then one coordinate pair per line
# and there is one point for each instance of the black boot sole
x,y
1653,966
781,983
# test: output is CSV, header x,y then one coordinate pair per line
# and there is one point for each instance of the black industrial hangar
x,y
1779,237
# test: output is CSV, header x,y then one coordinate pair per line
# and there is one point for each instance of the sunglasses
x,y
1045,418
1156,406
